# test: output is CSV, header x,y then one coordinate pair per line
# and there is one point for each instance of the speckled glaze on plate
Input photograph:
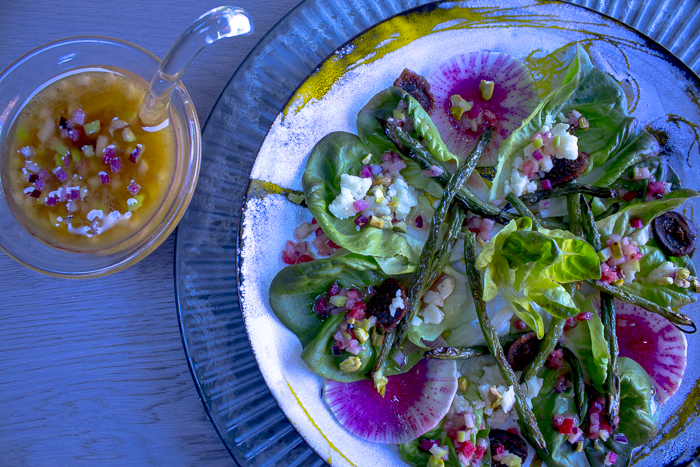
x,y
232,388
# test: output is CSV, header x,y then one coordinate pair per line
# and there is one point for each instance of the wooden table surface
x,y
93,372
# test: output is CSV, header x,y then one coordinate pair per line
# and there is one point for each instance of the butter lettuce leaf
x,y
560,453
639,417
382,106
614,141
342,153
587,342
295,288
528,267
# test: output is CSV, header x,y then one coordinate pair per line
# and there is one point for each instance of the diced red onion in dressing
x,y
116,124
361,221
419,222
28,152
360,205
136,153
414,403
115,164
637,223
366,171
32,192
51,200
620,438
433,171
426,444
376,169
104,177
546,185
537,155
610,458
79,117
60,174
574,115
39,183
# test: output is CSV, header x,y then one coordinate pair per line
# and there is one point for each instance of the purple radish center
x,y
653,342
414,403
466,104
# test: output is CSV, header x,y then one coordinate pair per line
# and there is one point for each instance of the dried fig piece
x,y
522,351
511,442
566,170
383,301
674,233
418,87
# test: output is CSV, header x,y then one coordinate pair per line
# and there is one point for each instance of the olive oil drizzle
x,y
329,459
396,32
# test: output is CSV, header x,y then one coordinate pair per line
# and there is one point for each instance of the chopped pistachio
x,y
486,89
458,106
557,141
616,250
583,123
338,300
361,335
367,159
376,222
380,382
295,198
382,181
377,338
365,324
434,462
618,282
75,155
538,143
350,364
92,127
378,195
496,396
461,436
398,115
128,135
682,273
463,384
400,227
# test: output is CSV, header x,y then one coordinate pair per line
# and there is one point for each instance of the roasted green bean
x,y
571,189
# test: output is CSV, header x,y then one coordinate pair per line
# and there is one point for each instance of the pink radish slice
x,y
414,403
653,342
514,98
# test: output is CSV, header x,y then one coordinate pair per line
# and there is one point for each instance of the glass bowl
x,y
22,80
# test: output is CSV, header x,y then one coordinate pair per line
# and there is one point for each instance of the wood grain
x,y
93,372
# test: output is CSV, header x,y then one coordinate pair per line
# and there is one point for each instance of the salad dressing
x,y
82,174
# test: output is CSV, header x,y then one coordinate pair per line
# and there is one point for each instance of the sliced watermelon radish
x,y
414,403
514,98
653,342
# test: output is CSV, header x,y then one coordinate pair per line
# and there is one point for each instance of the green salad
x,y
493,277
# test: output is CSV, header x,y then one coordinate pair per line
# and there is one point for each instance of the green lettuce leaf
x,y
318,356
664,295
527,266
561,453
587,342
294,289
458,309
382,106
342,153
619,223
639,417
614,140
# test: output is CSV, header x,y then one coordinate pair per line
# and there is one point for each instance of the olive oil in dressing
x,y
81,173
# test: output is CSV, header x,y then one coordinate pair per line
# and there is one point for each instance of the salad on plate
x,y
489,276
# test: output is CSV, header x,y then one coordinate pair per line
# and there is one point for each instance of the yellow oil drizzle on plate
x,y
328,460
396,32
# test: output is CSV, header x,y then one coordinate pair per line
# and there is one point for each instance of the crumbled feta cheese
x,y
416,321
433,298
351,189
407,196
508,400
396,303
460,404
518,162
432,314
546,163
518,182
568,143
548,122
